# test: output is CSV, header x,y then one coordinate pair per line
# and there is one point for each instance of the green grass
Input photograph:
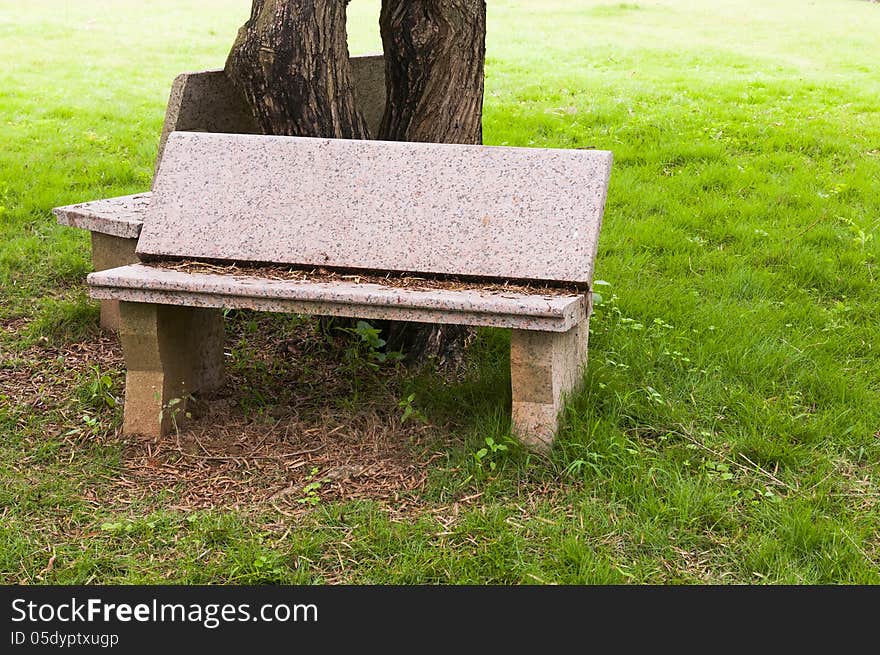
x,y
729,429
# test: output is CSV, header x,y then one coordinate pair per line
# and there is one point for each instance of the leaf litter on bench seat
x,y
397,280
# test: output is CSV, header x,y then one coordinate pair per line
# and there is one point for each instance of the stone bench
x,y
517,228
202,101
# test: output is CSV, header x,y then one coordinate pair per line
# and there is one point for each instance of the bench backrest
x,y
481,211
207,101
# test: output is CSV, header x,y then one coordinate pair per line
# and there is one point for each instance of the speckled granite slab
x,y
118,217
512,213
148,284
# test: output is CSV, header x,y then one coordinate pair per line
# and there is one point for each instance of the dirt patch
x,y
225,460
44,376
300,448
12,325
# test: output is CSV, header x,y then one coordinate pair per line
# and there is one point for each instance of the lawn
x,y
729,427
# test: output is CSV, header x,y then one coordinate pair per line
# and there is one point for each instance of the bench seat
x,y
341,297
121,217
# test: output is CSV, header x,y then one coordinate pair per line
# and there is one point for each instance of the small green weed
x,y
173,409
488,455
409,411
373,345
310,495
98,391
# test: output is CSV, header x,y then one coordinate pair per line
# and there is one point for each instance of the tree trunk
x,y
434,56
434,60
290,61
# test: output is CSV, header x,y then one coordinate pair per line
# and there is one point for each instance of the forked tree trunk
x,y
291,63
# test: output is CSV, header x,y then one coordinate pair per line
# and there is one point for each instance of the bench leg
x,y
109,252
209,336
545,367
167,358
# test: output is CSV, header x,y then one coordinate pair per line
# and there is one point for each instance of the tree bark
x,y
290,61
435,52
434,68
